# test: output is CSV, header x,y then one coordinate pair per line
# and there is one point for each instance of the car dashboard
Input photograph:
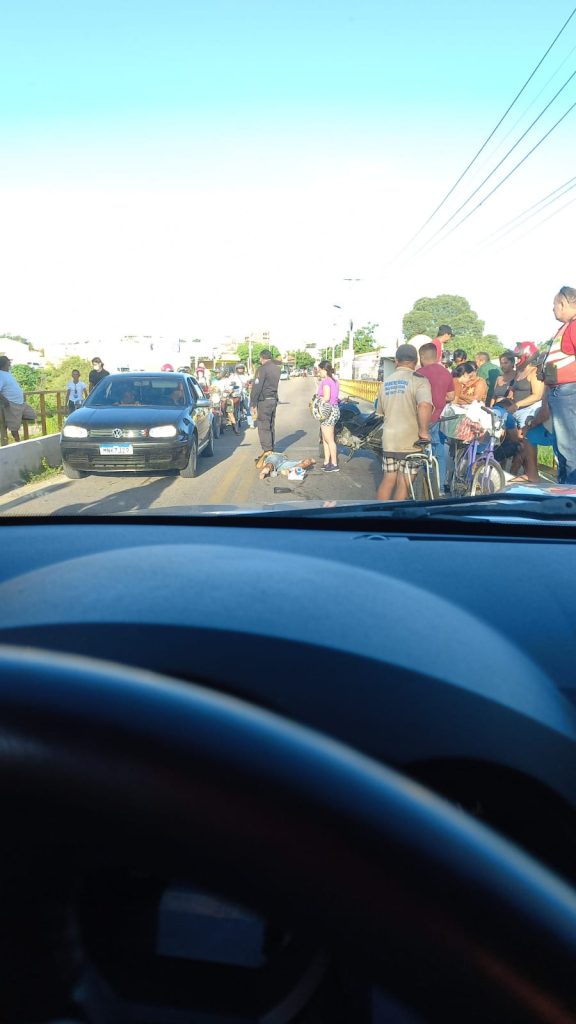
x,y
446,654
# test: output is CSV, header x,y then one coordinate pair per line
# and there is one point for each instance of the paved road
x,y
228,480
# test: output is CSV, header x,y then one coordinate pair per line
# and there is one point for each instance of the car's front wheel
x,y
70,472
191,466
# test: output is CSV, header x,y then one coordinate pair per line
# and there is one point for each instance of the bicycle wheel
x,y
460,485
487,477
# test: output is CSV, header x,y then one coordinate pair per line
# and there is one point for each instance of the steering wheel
x,y
114,762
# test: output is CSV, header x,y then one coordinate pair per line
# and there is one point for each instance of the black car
x,y
139,421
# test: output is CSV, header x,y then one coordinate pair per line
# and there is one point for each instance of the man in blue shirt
x,y
11,398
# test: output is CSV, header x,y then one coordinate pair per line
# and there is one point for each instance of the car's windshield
x,y
142,390
336,237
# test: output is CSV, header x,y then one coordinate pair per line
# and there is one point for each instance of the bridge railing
x,y
50,412
366,389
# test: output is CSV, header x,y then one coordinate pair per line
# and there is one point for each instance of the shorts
x,y
394,464
13,414
332,417
540,436
522,414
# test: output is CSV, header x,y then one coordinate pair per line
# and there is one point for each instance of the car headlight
x,y
168,431
70,430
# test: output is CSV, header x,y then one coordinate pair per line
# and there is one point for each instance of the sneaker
x,y
329,468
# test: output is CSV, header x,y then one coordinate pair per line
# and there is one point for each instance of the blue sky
x,y
222,166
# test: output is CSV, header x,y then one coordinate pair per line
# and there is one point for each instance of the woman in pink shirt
x,y
329,389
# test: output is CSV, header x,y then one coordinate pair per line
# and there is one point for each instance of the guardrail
x,y
366,389
50,413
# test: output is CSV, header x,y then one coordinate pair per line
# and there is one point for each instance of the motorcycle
x,y
356,430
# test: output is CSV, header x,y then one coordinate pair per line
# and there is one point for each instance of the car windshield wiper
x,y
503,505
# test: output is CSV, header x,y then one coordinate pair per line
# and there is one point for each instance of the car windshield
x,y
337,236
144,391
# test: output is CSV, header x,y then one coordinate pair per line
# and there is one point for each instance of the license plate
x,y
116,449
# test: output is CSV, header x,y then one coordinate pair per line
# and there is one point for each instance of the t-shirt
x,y
334,389
562,353
398,400
441,383
95,376
490,374
474,391
75,390
438,345
10,388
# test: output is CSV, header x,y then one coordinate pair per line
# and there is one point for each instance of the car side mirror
x,y
203,403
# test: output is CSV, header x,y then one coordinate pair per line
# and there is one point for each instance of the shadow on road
x,y
284,442
133,499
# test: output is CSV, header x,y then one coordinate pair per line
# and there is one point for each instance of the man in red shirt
x,y
559,373
445,333
442,387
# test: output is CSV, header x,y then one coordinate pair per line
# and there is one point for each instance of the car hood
x,y
127,416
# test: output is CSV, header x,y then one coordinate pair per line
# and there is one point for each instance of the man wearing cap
x,y
405,402
442,338
264,398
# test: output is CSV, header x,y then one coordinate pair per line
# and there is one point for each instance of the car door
x,y
201,411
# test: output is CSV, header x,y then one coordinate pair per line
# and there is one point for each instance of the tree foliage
x,y
243,351
57,377
28,377
427,315
303,360
364,340
488,343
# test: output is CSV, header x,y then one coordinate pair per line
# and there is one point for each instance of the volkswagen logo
x,y
117,432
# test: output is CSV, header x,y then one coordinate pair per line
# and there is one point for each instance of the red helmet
x,y
525,350
168,368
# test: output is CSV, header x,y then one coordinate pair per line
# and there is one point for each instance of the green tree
x,y
488,343
56,377
28,378
243,351
427,315
364,340
303,360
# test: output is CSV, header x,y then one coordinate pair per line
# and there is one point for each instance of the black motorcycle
x,y
356,430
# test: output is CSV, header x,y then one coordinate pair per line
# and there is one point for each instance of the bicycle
x,y
423,473
478,472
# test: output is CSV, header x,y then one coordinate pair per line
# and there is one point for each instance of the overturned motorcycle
x,y
356,430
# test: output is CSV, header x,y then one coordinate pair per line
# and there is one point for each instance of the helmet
x,y
168,368
524,350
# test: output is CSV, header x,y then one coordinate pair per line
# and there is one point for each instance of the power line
x,y
531,211
542,222
433,244
500,162
532,103
492,134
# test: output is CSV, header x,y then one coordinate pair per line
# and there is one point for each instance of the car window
x,y
195,388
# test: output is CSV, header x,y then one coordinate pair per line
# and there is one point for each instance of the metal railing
x,y
50,411
366,389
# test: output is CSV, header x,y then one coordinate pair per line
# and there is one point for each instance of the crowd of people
x,y
533,392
